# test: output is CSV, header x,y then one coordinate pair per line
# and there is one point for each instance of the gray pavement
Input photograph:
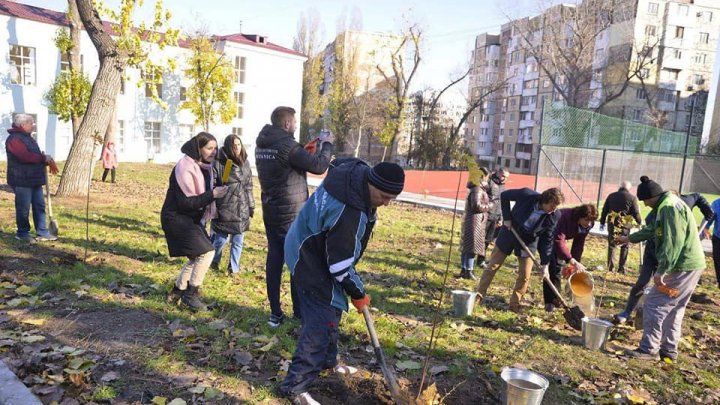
x,y
13,391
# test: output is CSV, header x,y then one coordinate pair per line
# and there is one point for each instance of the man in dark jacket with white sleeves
x,y
322,248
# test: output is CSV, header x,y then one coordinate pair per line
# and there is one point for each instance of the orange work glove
x,y
53,167
361,303
311,147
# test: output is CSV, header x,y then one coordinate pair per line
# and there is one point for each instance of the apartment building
x,y
670,44
144,131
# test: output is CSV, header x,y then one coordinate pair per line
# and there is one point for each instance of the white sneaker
x,y
345,370
304,399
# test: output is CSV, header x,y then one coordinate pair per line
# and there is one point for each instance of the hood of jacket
x,y
270,135
191,149
348,183
496,180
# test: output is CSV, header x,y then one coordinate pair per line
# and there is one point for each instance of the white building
x,y
267,75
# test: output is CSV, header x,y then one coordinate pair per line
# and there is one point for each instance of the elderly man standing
x,y
26,175
322,248
623,203
282,166
680,262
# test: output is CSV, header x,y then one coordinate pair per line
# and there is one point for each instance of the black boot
x,y
175,295
470,275
229,269
191,298
462,274
215,266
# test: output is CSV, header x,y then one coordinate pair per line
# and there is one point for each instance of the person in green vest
x,y
680,264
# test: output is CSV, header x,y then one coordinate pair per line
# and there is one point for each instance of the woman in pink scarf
x,y
189,204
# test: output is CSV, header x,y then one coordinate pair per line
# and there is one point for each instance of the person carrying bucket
x,y
574,223
680,260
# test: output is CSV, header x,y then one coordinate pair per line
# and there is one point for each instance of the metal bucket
x,y
595,332
463,302
522,387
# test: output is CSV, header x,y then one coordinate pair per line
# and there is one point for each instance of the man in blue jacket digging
x,y
322,248
534,217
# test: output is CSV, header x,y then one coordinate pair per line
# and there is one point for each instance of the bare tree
x,y
399,80
308,41
562,41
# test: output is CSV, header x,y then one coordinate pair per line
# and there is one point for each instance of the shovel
x,y
390,378
52,226
573,315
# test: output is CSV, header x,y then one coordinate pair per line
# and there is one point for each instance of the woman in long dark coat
x,y
238,205
477,206
189,204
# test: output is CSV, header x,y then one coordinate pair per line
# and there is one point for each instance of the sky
x,y
449,26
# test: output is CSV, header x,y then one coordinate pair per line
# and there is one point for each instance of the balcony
x,y
523,155
526,123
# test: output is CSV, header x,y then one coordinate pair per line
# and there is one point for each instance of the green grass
x,y
403,269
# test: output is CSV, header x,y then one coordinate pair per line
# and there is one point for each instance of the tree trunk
x,y
112,125
100,106
74,55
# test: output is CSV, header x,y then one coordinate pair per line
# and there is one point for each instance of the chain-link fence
x,y
588,154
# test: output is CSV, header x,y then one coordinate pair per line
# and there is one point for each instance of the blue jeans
x,y
467,261
25,197
219,240
317,345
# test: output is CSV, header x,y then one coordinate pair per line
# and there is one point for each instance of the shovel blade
x,y
53,227
573,316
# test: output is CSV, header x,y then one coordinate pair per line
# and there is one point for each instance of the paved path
x,y
12,391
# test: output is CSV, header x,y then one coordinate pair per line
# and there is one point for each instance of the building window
x,y
152,137
703,38
679,32
239,69
122,86
237,131
546,83
517,163
637,114
507,162
634,135
512,117
705,16
22,65
152,81
677,53
640,94
526,164
700,58
666,95
186,131
528,100
599,53
510,132
527,115
530,84
683,10
652,8
650,30
240,101
499,160
120,135
699,79
183,93
644,73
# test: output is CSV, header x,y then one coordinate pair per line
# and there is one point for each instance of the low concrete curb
x,y
12,391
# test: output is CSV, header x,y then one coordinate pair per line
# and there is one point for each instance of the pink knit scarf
x,y
188,173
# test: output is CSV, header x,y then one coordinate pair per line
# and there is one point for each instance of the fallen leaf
x,y
198,389
434,370
212,393
408,365
243,358
32,339
25,290
274,340
109,376
159,400
33,321
177,401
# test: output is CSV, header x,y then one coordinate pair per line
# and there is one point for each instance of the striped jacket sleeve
x,y
344,248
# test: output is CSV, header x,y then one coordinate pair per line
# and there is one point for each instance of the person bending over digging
x,y
534,218
680,262
322,248
574,223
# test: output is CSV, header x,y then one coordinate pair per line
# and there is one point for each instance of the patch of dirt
x,y
108,331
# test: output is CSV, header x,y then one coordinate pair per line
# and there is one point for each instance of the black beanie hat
x,y
387,177
648,189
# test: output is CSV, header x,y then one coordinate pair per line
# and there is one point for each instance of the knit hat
x,y
387,177
648,189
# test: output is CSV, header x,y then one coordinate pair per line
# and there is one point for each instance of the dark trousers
x,y
716,256
490,233
112,175
554,269
647,271
316,347
624,249
274,266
